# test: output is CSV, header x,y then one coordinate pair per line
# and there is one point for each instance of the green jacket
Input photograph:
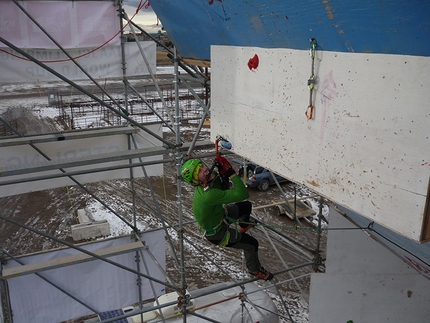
x,y
208,205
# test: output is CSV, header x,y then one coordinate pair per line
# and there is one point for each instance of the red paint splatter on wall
x,y
253,62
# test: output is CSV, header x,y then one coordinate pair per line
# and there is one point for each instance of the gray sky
x,y
146,18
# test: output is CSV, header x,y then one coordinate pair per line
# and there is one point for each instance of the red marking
x,y
146,4
253,62
212,1
426,163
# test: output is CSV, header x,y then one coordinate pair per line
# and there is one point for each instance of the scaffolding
x,y
173,106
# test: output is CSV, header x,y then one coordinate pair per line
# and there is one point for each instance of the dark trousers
x,y
239,211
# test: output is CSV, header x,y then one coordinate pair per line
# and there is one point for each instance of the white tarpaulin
x,y
73,24
100,285
87,30
102,63
64,150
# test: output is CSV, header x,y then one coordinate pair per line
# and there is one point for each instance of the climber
x,y
220,210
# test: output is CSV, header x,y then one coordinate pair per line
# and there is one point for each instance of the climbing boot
x,y
262,274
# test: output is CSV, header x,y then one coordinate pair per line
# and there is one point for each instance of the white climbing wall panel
x,y
367,146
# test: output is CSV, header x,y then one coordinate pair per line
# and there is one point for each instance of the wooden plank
x,y
302,210
291,200
69,260
197,62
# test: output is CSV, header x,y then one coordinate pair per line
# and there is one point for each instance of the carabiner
x,y
309,112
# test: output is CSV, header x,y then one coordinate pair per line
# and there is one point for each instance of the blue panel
x,y
359,26
111,314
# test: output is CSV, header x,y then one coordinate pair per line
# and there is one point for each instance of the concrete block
x,y
84,216
90,230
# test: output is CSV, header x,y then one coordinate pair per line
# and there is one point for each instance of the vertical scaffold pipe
x,y
133,197
177,124
123,62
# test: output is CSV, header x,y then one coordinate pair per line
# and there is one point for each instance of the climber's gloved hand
x,y
224,166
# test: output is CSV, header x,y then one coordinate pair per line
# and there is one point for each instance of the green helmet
x,y
190,171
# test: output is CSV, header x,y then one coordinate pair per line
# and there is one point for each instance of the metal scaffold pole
x,y
177,125
123,60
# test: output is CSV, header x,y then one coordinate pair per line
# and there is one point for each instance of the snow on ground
x,y
117,226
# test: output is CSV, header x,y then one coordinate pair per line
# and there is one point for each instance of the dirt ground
x,y
162,58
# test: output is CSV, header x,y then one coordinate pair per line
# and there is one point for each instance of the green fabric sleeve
x,y
216,196
208,205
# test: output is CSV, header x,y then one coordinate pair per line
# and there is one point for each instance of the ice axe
x,y
226,145
223,142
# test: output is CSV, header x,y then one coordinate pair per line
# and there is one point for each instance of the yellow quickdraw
x,y
225,240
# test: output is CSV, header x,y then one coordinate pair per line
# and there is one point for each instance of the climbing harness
x,y
312,80
215,229
225,239
211,232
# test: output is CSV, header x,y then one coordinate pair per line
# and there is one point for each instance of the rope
x,y
71,204
39,88
164,187
298,228
370,228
